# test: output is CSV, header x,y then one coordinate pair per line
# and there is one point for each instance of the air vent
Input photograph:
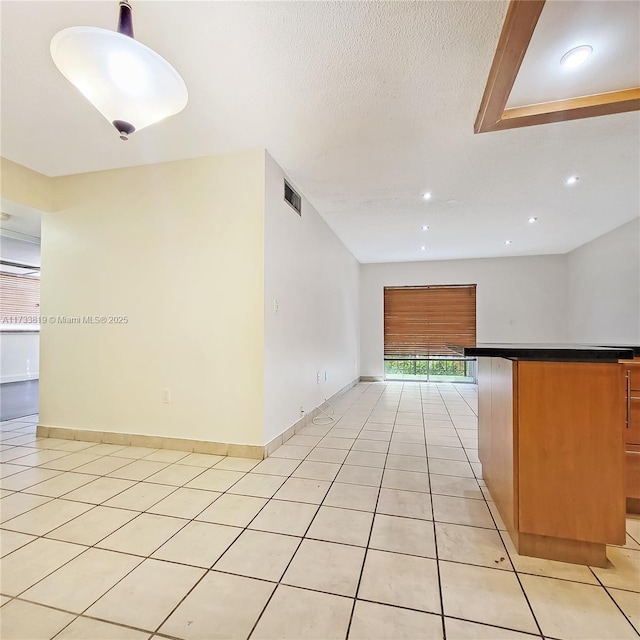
x,y
293,198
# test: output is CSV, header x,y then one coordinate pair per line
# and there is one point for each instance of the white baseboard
x,y
289,432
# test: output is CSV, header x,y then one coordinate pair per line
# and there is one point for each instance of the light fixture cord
x,y
125,19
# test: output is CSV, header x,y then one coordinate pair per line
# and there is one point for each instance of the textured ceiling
x,y
366,105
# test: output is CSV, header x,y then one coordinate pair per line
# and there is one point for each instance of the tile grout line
x,y
496,527
149,557
524,593
344,462
185,564
253,628
433,515
194,518
106,476
394,606
245,528
375,508
93,546
143,558
73,613
139,513
175,488
627,618
212,568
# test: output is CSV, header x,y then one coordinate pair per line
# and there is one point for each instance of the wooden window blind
x,y
19,297
422,321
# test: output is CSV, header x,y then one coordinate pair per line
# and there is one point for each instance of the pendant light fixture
x,y
126,81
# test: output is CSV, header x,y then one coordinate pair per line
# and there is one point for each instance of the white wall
x,y
177,249
19,350
314,278
19,355
21,251
517,299
604,288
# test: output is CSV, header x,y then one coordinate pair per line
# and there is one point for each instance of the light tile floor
x,y
375,526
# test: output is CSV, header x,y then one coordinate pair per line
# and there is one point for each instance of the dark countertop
x,y
547,352
634,347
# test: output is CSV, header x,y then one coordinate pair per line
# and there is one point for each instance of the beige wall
x,y
25,186
177,249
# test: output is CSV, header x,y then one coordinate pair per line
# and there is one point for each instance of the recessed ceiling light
x,y
425,227
426,195
572,180
576,56
423,248
507,241
533,219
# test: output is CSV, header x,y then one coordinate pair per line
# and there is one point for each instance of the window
x,y
20,296
419,325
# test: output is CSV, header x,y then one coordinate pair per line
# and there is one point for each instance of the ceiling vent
x,y
292,197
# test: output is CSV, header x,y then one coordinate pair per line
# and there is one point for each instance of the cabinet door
x,y
632,435
496,448
571,450
632,472
503,473
484,413
632,399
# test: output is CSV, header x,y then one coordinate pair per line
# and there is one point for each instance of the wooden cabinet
x,y
631,371
551,444
632,477
497,438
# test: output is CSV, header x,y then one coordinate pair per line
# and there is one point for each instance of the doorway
x,y
19,312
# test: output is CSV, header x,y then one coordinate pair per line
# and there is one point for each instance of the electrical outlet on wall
x,y
318,377
166,396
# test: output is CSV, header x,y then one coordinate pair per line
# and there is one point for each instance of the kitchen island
x,y
551,425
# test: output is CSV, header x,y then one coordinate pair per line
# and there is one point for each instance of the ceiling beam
x,y
517,31
601,104
519,24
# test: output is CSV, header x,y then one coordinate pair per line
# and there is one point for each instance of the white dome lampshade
x,y
128,83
